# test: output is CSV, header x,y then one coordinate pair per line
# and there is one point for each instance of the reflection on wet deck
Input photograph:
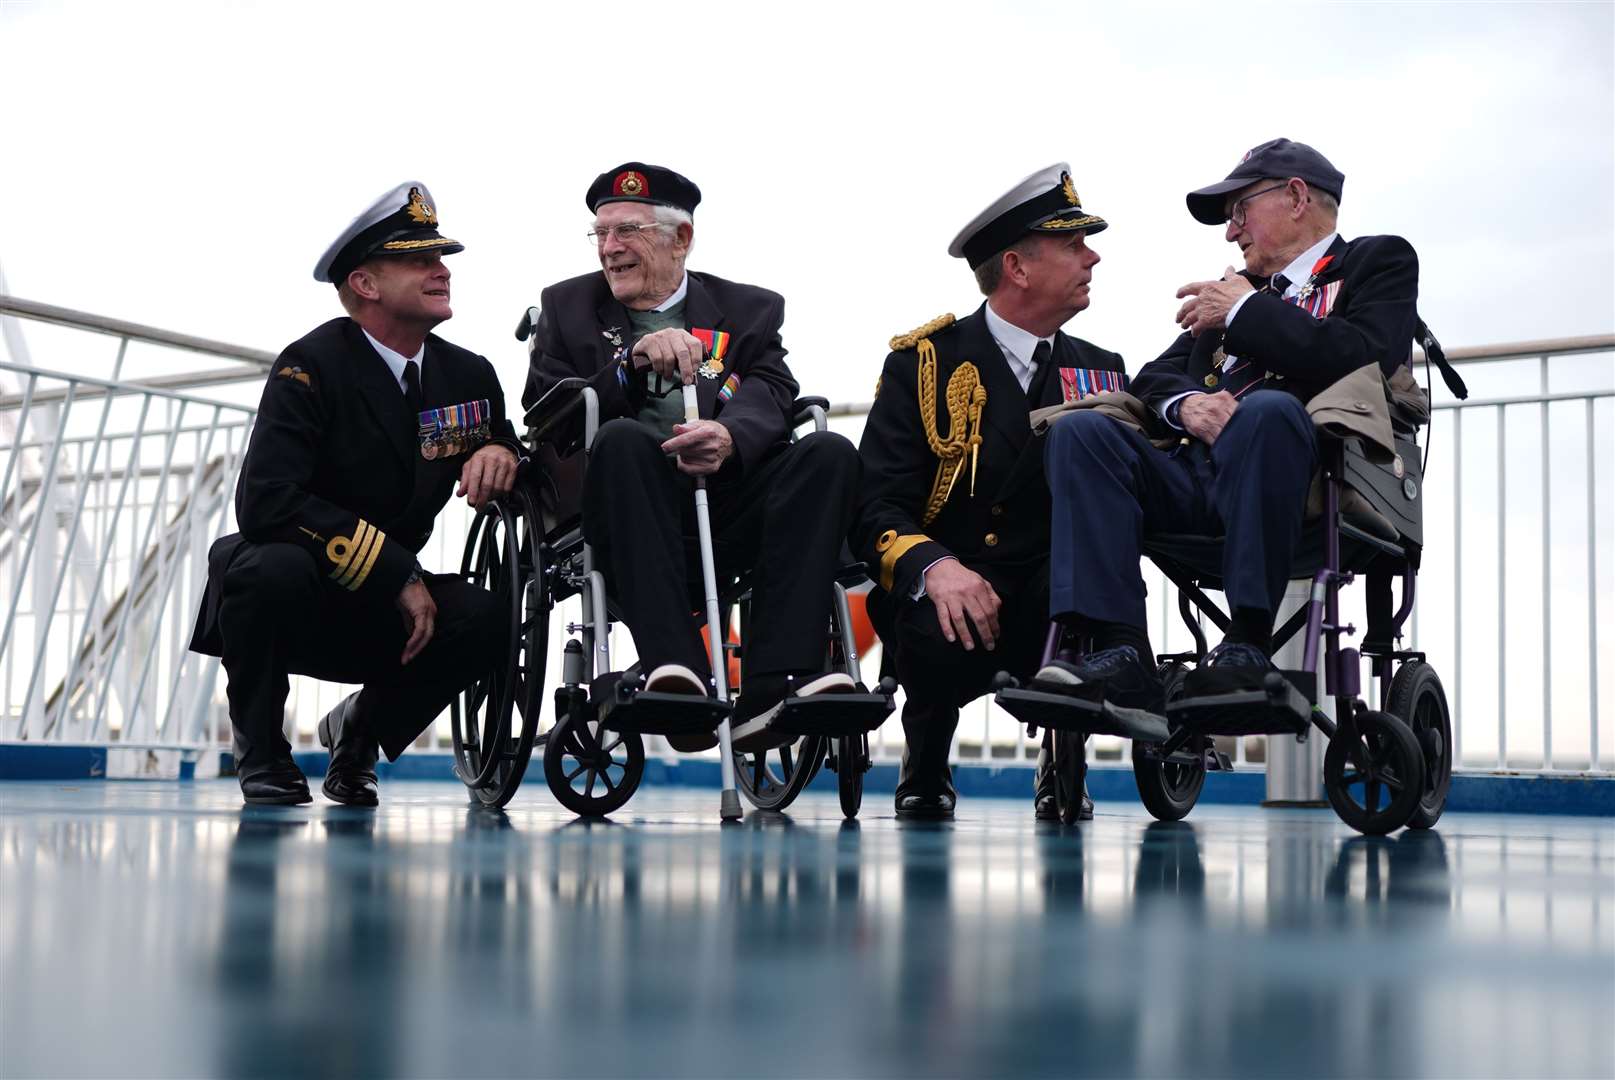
x,y
160,929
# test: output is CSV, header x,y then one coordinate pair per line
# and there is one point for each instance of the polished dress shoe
x,y
351,777
276,787
925,807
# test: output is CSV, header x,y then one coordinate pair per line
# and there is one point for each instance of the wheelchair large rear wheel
x,y
1169,789
588,776
772,779
494,723
1418,700
1373,773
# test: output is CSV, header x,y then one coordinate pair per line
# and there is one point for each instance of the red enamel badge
x,y
630,183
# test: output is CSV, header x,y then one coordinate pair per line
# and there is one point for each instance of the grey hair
x,y
990,274
672,215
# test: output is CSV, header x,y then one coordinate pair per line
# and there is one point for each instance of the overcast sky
x,y
184,165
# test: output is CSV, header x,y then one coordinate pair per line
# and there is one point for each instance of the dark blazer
x,y
335,462
1005,524
1372,319
582,329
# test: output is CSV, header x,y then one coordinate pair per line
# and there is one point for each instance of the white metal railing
x,y
112,489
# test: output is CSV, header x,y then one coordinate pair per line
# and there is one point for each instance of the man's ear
x,y
363,283
684,233
1298,192
1015,267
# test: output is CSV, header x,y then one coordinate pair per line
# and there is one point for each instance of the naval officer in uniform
x,y
954,509
365,427
1309,308
638,329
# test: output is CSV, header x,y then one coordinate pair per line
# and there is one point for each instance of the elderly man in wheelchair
x,y
1279,388
674,386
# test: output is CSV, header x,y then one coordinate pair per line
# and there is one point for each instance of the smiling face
x,y
413,289
643,270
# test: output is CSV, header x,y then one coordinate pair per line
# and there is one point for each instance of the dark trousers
x,y
279,616
1111,487
939,677
784,520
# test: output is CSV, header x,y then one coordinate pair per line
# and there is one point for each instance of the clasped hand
x,y
701,446
487,474
963,599
671,353
1209,302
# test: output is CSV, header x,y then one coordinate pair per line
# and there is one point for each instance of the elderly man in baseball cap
x,y
1308,308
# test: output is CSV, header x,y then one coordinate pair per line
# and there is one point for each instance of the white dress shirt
x,y
678,294
397,360
1017,345
1297,273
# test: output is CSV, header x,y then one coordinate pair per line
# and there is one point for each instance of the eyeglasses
x,y
1236,213
624,232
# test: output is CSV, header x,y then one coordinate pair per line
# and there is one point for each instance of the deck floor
x,y
160,929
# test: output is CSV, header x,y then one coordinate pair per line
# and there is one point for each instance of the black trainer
x,y
1125,680
1237,654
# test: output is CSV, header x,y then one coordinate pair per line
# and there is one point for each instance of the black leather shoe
x,y
1125,679
1086,812
1237,654
276,787
925,807
351,777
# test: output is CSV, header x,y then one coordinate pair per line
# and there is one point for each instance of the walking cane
x,y
729,801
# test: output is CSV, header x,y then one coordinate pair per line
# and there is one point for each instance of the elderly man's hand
x,y
671,353
487,474
963,598
1205,415
1209,301
702,446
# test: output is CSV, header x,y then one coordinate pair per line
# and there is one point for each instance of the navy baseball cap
x,y
1278,158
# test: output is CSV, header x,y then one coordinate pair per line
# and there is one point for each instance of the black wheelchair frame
x,y
1384,768
529,548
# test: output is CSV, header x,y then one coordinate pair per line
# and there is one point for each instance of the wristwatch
x,y
414,575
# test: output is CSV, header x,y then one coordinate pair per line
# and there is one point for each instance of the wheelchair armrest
x,y
854,573
806,409
525,327
558,409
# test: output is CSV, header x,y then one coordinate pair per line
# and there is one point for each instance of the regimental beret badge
x,y
296,373
631,183
420,211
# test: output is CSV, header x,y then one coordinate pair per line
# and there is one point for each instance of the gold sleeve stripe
x,y
896,550
351,553
340,551
370,560
361,547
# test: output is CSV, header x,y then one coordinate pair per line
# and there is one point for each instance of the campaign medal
x,y
1078,383
613,334
714,343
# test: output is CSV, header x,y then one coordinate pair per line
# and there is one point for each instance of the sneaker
x,y
763,696
678,679
675,679
1237,654
1127,680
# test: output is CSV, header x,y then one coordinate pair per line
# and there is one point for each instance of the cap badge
x,y
420,211
630,183
1069,189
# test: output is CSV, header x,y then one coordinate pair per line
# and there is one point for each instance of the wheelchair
x,y
529,549
1385,767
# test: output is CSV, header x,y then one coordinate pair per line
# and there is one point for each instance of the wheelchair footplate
x,y
1081,710
833,714
622,706
1244,701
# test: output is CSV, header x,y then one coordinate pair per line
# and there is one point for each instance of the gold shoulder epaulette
x,y
915,336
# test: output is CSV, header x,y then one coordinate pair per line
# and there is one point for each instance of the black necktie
x,y
412,386
1040,372
1280,283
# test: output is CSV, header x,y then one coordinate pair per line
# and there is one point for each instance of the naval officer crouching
x,y
954,508
364,428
